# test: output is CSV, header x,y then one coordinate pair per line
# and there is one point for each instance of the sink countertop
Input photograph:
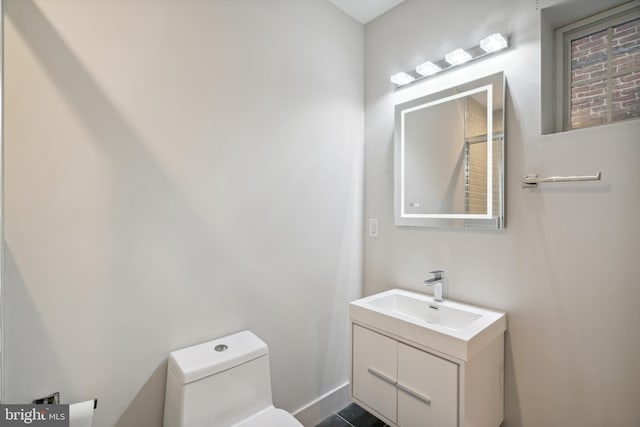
x,y
415,317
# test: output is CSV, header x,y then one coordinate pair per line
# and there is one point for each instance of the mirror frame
x,y
495,87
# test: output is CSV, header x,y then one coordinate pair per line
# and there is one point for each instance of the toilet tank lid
x,y
202,360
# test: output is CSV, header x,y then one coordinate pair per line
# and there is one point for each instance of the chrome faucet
x,y
438,284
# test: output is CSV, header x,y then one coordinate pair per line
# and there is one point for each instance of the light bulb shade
x,y
457,57
493,43
427,69
402,79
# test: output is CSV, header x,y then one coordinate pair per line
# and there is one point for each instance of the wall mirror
x,y
449,157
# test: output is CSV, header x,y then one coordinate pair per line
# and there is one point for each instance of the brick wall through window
x,y
605,76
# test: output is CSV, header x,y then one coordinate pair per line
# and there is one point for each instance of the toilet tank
x,y
217,383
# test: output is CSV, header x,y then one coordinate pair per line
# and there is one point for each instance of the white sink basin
x,y
457,329
432,313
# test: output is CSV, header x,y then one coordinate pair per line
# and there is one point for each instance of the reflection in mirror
x,y
449,157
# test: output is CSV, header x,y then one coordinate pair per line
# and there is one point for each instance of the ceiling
x,y
365,10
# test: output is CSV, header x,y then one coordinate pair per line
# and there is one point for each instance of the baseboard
x,y
324,406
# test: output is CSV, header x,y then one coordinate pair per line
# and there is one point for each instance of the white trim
x,y
324,406
2,290
490,151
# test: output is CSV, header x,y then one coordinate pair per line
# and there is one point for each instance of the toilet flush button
x,y
220,347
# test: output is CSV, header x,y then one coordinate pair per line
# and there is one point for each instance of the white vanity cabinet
x,y
427,389
407,385
375,371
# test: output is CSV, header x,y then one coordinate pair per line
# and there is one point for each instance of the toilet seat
x,y
270,417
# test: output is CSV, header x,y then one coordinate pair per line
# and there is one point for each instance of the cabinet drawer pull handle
x,y
415,394
404,388
383,377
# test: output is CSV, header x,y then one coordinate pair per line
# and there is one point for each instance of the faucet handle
x,y
437,273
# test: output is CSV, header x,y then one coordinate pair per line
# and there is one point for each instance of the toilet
x,y
220,383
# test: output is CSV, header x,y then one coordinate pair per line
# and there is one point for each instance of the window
x,y
598,68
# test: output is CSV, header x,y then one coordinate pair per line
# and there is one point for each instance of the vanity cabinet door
x,y
374,370
427,389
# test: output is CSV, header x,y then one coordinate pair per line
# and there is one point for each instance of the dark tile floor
x,y
352,416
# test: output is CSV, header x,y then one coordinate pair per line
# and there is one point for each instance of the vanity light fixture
x,y
428,69
402,79
493,43
457,57
488,45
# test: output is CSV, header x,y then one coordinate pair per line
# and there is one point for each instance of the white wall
x,y
566,268
177,171
2,298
